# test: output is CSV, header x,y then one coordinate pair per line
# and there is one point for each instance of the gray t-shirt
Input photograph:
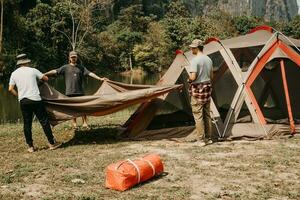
x,y
202,65
25,78
73,78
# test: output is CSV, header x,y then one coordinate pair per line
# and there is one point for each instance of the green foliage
x,y
108,46
244,24
152,55
220,24
109,35
293,28
134,18
177,24
39,35
126,41
177,9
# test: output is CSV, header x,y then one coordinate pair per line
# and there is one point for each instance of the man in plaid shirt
x,y
200,76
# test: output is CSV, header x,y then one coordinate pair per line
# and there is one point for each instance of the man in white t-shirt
x,y
25,79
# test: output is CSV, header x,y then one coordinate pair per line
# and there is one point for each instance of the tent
x,y
255,94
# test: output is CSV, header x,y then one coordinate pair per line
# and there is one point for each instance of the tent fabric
x,y
110,97
145,113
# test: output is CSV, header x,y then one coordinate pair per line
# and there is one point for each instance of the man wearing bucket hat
x,y
200,76
73,74
25,79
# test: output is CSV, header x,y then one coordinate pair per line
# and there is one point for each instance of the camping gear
x,y
127,173
254,91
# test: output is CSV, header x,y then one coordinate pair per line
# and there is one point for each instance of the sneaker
x,y
200,143
86,127
55,145
207,142
31,149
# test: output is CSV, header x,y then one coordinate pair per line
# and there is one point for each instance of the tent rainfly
x,y
110,97
255,94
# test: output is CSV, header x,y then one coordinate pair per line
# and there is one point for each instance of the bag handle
x,y
137,168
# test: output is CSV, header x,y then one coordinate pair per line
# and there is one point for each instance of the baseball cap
x,y
73,54
196,43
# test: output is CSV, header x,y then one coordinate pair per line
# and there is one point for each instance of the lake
x,y
9,106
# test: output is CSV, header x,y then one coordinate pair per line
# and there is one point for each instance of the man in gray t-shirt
x,y
74,74
200,76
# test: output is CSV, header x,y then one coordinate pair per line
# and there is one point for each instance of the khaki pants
x,y
202,118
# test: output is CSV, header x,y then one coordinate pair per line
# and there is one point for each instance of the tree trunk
x,y
1,27
130,62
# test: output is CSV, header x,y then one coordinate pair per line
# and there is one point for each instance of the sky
x,y
298,1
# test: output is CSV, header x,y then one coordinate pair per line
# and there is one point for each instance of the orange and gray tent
x,y
110,97
255,90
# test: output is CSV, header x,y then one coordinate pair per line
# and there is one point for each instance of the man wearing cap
x,y
200,76
25,79
73,74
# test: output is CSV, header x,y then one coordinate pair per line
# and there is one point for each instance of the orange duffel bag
x,y
127,173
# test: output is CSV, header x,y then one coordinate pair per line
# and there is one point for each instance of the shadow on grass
x,y
94,135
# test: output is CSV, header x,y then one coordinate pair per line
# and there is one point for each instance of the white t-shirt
x,y
25,78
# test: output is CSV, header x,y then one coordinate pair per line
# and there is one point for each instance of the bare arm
x,y
91,74
51,73
12,90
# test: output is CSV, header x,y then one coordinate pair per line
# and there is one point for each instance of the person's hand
x,y
104,79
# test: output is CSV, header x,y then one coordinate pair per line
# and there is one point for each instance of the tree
x,y
39,35
81,13
244,24
127,41
177,23
134,18
1,25
152,55
293,28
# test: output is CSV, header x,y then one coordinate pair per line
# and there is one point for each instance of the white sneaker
x,y
55,145
31,149
207,142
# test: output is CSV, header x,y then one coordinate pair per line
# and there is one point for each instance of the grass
x,y
264,169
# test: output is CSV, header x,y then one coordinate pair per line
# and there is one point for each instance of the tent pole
x,y
287,97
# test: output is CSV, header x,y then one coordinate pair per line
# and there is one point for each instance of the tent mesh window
x,y
269,93
176,110
244,115
224,85
245,56
292,75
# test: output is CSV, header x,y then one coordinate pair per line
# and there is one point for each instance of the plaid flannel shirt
x,y
201,91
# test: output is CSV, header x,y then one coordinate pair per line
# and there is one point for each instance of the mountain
x,y
270,10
